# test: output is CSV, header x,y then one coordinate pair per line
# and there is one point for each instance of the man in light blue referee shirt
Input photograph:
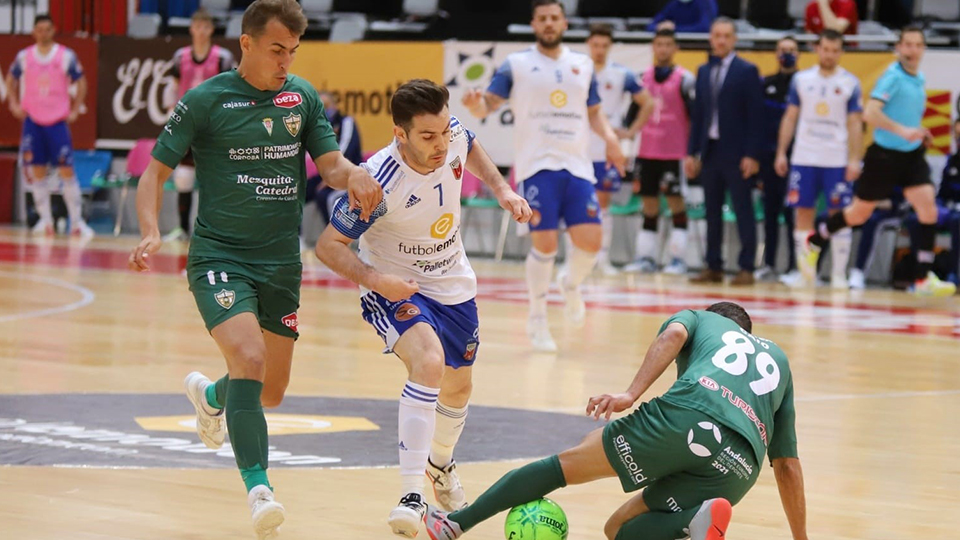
x,y
896,158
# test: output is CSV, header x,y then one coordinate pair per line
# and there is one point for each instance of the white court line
x,y
86,297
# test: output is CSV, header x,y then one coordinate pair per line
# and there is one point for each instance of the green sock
x,y
519,486
248,430
658,525
217,392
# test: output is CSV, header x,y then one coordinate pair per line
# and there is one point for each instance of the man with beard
x,y
554,95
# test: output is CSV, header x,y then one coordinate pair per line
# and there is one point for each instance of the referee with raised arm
x,y
897,158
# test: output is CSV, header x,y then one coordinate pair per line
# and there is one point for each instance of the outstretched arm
x,y
661,354
789,477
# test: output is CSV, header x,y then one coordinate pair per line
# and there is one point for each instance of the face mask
x,y
330,114
660,74
788,60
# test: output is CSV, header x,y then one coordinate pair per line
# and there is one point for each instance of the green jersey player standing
x,y
695,451
248,130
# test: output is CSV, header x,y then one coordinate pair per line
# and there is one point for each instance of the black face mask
x,y
661,74
788,60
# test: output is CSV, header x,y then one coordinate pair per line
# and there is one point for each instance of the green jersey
x,y
742,381
249,147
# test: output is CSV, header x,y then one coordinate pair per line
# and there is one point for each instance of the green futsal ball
x,y
542,519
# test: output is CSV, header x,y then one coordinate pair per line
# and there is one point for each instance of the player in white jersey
x,y
417,286
616,85
827,152
553,93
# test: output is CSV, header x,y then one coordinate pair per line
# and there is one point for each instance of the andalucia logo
x,y
292,123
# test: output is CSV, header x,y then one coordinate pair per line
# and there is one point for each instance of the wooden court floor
x,y
877,378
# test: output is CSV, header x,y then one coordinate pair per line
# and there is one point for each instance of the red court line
x,y
834,315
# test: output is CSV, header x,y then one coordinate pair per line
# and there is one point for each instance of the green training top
x,y
249,147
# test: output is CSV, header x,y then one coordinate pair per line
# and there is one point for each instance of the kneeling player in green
x,y
695,451
248,130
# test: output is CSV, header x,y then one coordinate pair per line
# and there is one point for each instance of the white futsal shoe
x,y
447,489
539,333
439,527
211,428
405,519
574,309
267,513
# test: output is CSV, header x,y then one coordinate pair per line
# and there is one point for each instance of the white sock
x,y
450,422
73,199
41,199
415,426
539,271
840,253
646,244
801,249
606,226
678,244
580,266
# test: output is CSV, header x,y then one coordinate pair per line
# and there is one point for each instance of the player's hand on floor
x,y
516,205
138,257
363,192
607,404
395,288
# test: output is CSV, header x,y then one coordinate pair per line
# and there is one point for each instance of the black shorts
x,y
657,175
885,169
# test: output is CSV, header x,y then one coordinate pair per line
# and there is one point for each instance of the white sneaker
x,y
711,521
539,333
857,280
405,519
839,283
83,231
676,268
42,228
447,489
607,269
794,279
574,309
176,235
267,513
439,527
643,266
210,427
765,274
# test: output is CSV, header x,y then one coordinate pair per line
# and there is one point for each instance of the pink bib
x,y
45,85
665,134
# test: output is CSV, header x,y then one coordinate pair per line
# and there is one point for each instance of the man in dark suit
x,y
725,142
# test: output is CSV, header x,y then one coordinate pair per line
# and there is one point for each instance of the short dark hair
x,y
912,29
667,33
538,3
830,34
287,12
724,20
43,17
201,15
788,37
416,97
600,29
734,312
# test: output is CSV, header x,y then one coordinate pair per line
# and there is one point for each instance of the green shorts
x,y
681,456
225,288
